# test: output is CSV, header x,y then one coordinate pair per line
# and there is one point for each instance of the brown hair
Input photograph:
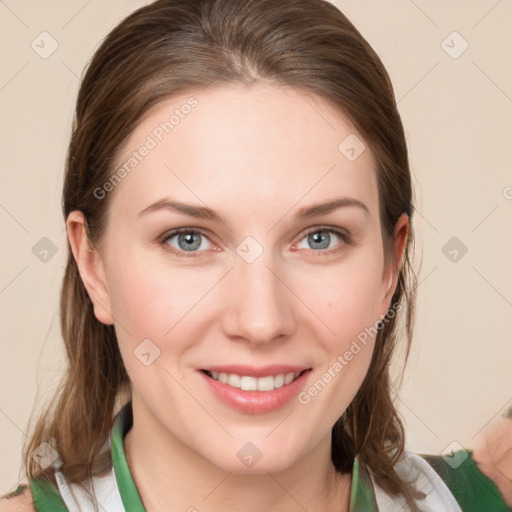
x,y
173,46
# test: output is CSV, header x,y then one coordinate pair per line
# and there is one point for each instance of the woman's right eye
x,y
187,241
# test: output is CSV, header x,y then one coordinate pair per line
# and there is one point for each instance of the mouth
x,y
251,383
255,390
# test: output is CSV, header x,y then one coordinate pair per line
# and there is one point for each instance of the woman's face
x,y
265,281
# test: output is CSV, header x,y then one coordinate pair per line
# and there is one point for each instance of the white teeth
x,y
288,378
265,383
247,383
279,380
233,380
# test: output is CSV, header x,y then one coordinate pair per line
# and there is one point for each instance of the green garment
x,y
473,491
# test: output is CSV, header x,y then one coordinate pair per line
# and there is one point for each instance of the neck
x,y
166,471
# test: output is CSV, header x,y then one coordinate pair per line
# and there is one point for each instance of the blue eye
x,y
190,241
320,238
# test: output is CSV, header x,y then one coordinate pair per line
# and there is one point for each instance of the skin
x,y
493,455
256,155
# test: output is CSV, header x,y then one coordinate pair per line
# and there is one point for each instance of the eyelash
x,y
345,236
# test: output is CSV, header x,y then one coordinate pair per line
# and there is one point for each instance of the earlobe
x,y
90,266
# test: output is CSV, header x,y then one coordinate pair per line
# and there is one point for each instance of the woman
x,y
239,207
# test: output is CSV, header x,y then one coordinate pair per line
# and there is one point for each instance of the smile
x,y
249,383
267,391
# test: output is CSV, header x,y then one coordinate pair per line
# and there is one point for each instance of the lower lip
x,y
256,402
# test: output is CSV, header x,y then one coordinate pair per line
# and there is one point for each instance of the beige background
x,y
457,114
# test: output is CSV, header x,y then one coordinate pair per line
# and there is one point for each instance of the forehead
x,y
244,147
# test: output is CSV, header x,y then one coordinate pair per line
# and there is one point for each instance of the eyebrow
x,y
203,212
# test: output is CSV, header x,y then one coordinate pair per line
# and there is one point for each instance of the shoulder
x,y
19,500
493,455
472,489
41,494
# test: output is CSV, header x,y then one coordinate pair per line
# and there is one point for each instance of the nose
x,y
261,306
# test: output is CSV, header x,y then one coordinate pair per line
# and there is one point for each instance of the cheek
x,y
350,310
348,299
136,296
348,302
150,306
165,304
152,300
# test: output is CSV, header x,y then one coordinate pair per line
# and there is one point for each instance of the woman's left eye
x,y
320,238
191,241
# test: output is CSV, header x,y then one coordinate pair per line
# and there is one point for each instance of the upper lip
x,y
253,371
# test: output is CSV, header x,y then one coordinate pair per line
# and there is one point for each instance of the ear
x,y
90,266
391,273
